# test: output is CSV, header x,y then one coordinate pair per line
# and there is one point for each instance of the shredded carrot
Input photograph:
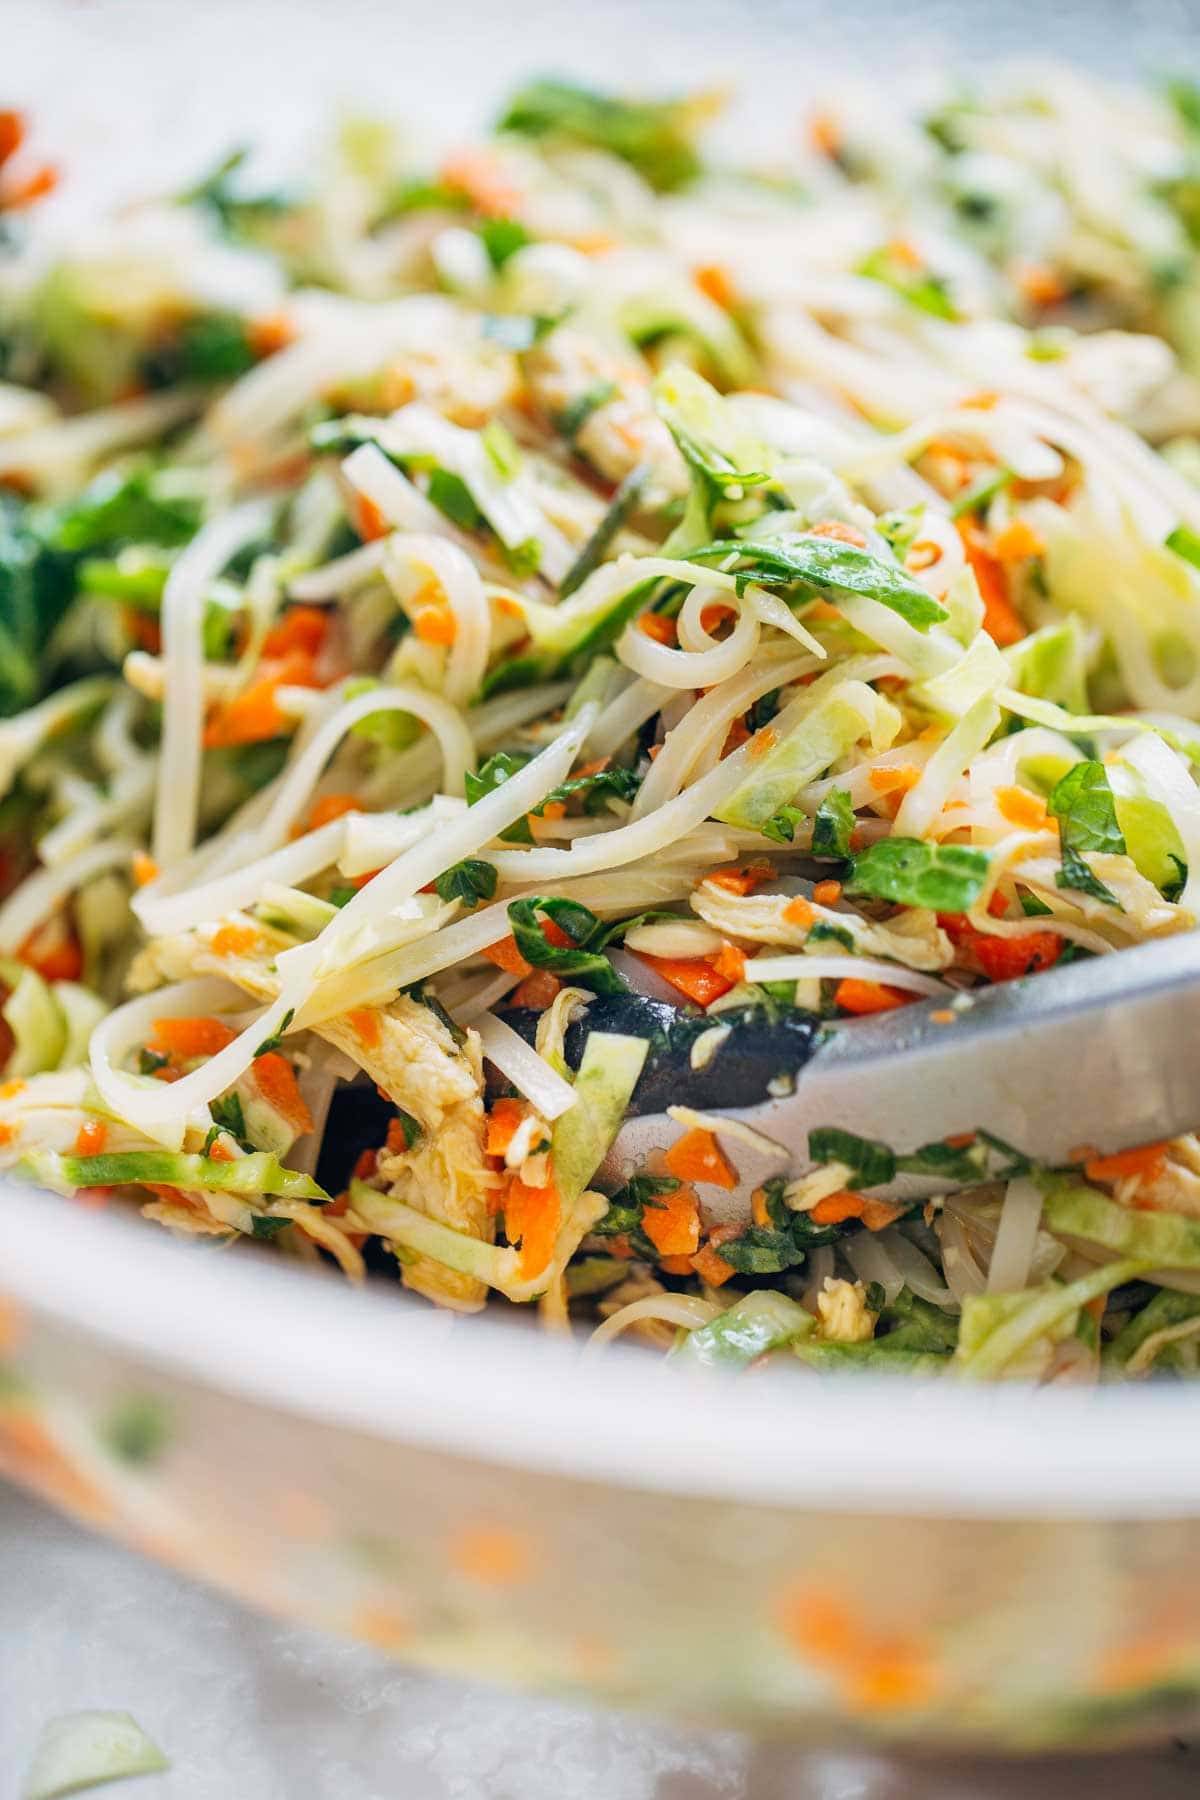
x,y
219,1152
984,401
330,807
371,522
480,175
1002,958
675,1265
657,626
834,1209
730,962
838,528
1146,1162
505,955
396,1139
365,1021
274,331
1000,618
715,282
1017,540
711,1266
714,614
537,991
12,133
234,940
502,1122
1040,285
190,1037
856,996
943,1016
54,951
737,735
145,869
696,1156
959,1140
760,1212
249,718
694,976
366,1166
825,135
924,554
34,186
144,629
672,1223
11,1089
493,1555
763,742
799,913
554,809
8,1133
897,779
531,1218
742,880
435,624
827,893
300,628
276,1082
1021,808
91,1137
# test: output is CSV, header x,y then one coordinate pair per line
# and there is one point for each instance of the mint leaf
x,y
833,826
945,877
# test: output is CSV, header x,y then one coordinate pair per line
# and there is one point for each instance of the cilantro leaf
x,y
621,506
1083,804
871,1164
827,565
833,826
571,421
502,238
470,881
451,495
946,877
653,136
781,826
498,768
578,960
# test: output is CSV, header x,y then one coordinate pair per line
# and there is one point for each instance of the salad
x,y
457,604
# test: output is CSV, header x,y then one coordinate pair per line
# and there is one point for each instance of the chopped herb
x,y
578,959
989,484
833,826
263,1226
781,826
341,895
502,238
151,1061
1083,804
451,495
138,1429
919,287
827,565
574,417
434,1005
870,1164
470,881
654,136
622,505
1186,543
276,1039
524,558
411,1127
228,1116
945,877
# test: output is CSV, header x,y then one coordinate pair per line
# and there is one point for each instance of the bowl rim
x,y
307,1344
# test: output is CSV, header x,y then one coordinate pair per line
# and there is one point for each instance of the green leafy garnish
x,y
833,826
1083,804
945,877
502,238
470,881
828,566
917,286
781,826
576,960
451,495
574,417
621,506
654,136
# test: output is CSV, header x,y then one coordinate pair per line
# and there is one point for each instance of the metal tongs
x,y
1103,1053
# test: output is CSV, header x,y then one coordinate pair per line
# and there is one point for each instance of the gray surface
x,y
248,1709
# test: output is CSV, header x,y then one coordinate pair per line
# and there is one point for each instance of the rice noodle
x,y
802,967
541,1085
687,1311
183,720
1012,1254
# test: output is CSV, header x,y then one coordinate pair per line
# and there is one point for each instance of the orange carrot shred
x,y
1021,808
365,1020
730,962
673,1223
277,1084
538,991
91,1137
145,869
1146,1162
799,913
827,893
696,1156
502,1122
856,996
190,1037
658,627
330,807
505,955
234,940
531,1217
